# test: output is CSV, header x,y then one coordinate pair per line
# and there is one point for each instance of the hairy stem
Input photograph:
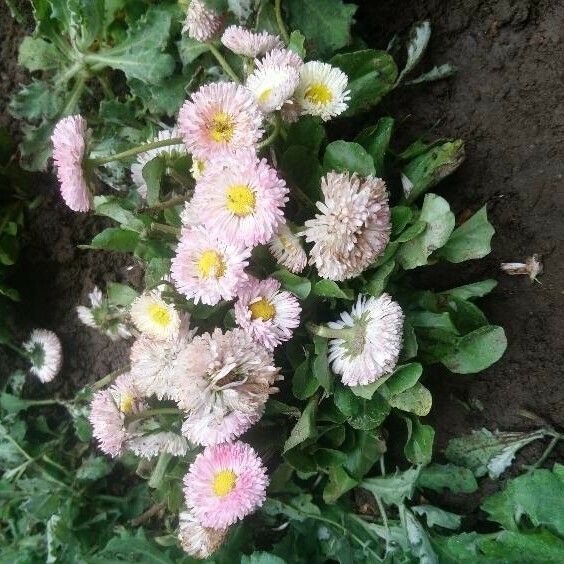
x,y
135,151
174,201
280,21
223,63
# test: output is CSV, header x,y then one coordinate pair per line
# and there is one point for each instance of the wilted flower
x,y
220,116
365,343
224,484
45,353
322,90
532,267
240,199
197,541
287,249
248,43
148,446
201,23
69,151
353,227
155,317
269,315
223,380
206,269
104,316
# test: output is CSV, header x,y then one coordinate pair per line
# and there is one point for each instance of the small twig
x,y
149,514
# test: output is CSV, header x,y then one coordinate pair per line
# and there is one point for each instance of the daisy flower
x,y
201,23
207,270
322,90
368,340
197,169
353,227
280,58
272,86
269,315
108,411
224,484
287,249
240,199
69,150
197,541
170,152
224,380
220,116
149,446
154,317
248,43
45,353
103,316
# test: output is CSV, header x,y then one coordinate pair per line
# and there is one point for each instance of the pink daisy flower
x,y
201,23
69,148
220,116
286,247
280,58
224,484
240,199
269,315
108,410
248,43
207,270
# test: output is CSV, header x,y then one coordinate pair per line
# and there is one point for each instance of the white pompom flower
x,y
155,317
45,353
272,86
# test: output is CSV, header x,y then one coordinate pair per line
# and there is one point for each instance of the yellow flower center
x,y
159,315
265,95
224,482
211,264
262,309
319,94
240,200
126,403
222,127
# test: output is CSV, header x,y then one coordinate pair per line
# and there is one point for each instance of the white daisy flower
x,y
154,317
272,86
365,343
287,249
249,43
45,353
201,23
322,90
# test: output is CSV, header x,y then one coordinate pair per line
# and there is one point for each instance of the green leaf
x,y
35,149
372,74
115,239
378,280
298,285
121,294
393,489
261,558
298,508
330,289
439,477
410,345
419,446
93,468
157,269
412,231
166,97
108,206
344,156
417,399
190,49
472,240
37,54
307,132
418,539
35,101
419,37
305,427
486,452
436,517
440,224
376,140
326,29
401,216
345,400
465,315
369,447
438,72
12,404
509,546
304,384
477,350
321,369
537,495
296,43
153,172
372,414
338,484
403,378
470,291
428,169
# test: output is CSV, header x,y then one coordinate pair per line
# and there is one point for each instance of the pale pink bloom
x,y
108,411
369,342
197,541
220,116
240,199
353,227
223,380
45,353
272,86
280,58
224,484
149,446
69,148
201,23
267,313
208,270
248,43
286,247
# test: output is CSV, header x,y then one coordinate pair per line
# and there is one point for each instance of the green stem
x,y
174,201
545,454
152,413
105,87
46,402
328,332
75,94
136,150
159,471
109,378
280,21
223,63
273,135
303,197
182,178
23,353
384,521
167,229
75,68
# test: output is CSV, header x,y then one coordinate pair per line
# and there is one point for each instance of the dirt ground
x,y
506,103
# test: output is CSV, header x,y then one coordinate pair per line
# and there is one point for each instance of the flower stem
x,y
223,63
280,21
109,378
23,353
167,229
75,94
273,135
329,332
135,151
174,201
159,471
